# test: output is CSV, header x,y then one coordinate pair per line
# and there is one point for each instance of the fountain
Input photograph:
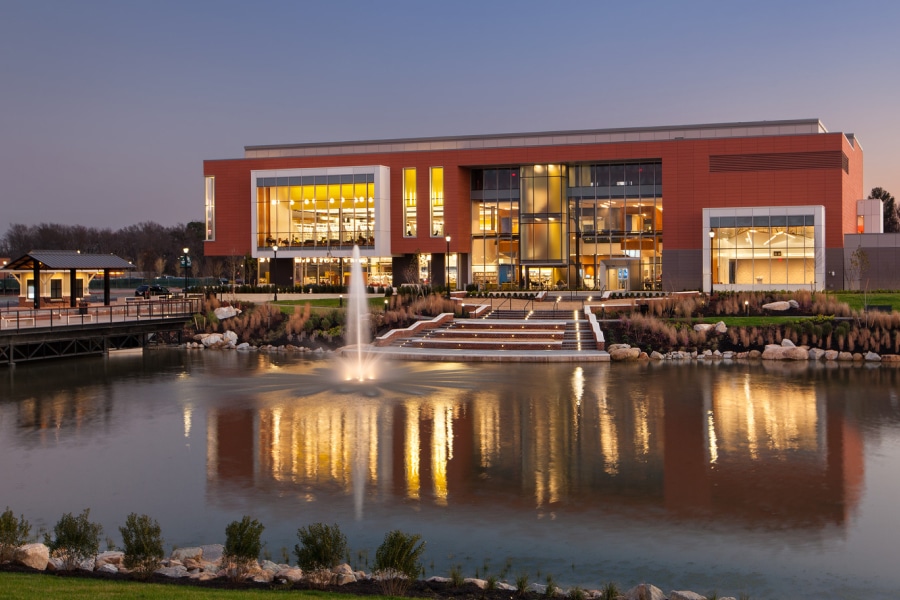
x,y
358,365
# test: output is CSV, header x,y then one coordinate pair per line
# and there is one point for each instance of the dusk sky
x,y
108,108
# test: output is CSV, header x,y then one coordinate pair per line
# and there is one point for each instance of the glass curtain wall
x,y
616,225
763,250
330,211
495,227
543,226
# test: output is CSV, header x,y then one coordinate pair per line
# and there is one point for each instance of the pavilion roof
x,y
67,259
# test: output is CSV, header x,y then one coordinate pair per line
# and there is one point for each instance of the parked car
x,y
146,291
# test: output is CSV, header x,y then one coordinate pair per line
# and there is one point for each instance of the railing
x,y
137,309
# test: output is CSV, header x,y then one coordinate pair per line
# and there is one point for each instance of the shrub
x,y
576,593
456,576
610,591
76,539
397,561
321,548
13,533
522,584
551,588
142,538
242,546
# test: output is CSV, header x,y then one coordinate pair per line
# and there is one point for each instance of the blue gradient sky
x,y
108,108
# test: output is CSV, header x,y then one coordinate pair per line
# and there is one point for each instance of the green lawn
x,y
857,299
287,306
25,586
757,321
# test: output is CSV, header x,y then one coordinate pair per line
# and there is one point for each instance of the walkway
x,y
13,319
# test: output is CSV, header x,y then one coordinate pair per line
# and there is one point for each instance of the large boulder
x,y
293,575
773,352
831,354
111,557
845,356
796,353
685,595
625,354
872,357
212,339
33,556
644,591
226,312
721,327
703,326
788,343
777,306
816,354
174,572
230,337
182,554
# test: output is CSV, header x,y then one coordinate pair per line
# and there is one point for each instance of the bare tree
x,y
857,267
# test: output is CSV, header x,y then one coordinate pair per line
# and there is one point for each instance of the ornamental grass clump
x,y
321,548
242,547
75,539
397,562
143,544
13,533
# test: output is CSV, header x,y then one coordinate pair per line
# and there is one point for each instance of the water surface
x,y
774,480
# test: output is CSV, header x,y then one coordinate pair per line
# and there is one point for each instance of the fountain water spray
x,y
358,368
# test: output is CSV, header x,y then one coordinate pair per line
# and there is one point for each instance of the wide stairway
x,y
510,330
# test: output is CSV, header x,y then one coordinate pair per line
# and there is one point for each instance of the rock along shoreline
x,y
203,565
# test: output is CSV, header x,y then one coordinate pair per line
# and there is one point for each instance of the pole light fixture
x,y
447,260
185,262
272,268
712,235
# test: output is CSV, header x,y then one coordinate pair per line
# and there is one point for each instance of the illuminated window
x,y
437,201
409,202
210,208
311,209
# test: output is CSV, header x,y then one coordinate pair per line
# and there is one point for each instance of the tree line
x,y
151,247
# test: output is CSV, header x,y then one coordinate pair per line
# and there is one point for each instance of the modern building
x,y
729,206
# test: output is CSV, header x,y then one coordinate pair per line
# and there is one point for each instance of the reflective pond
x,y
771,479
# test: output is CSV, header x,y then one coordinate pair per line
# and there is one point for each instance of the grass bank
x,y
27,586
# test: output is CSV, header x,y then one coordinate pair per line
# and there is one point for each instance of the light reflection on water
x,y
738,478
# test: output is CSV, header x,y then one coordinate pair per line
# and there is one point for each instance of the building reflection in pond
x,y
760,454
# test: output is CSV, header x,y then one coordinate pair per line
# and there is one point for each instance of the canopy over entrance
x,y
43,264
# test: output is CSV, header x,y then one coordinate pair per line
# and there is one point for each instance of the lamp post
x,y
747,307
272,270
447,260
185,262
712,235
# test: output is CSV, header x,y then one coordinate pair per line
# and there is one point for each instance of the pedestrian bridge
x,y
36,334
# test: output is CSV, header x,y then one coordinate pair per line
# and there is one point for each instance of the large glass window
x,y
763,250
495,227
409,202
437,201
333,211
615,226
210,204
543,214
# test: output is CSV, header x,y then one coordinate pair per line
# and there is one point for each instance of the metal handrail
x,y
19,319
